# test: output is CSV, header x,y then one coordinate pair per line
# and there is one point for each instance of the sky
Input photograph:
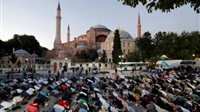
x,y
37,18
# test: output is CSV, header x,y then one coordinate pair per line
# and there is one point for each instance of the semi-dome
x,y
21,51
123,35
34,55
63,51
81,46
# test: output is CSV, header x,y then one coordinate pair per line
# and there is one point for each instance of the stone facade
x,y
127,44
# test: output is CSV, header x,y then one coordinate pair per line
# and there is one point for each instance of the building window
x,y
128,44
8,61
105,65
128,50
1,61
124,51
60,65
123,44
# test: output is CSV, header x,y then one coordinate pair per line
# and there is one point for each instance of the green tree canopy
x,y
13,58
133,56
2,48
146,46
163,5
117,50
92,53
171,44
103,57
87,55
26,42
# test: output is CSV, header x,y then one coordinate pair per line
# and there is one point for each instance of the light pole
x,y
99,63
65,68
121,57
26,62
193,56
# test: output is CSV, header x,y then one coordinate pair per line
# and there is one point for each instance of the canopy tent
x,y
165,65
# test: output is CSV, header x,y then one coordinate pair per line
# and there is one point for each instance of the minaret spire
x,y
68,33
139,26
58,8
58,27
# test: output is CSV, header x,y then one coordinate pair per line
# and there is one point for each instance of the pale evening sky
x,y
37,17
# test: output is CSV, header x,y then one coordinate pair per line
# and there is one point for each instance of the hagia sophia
x,y
98,37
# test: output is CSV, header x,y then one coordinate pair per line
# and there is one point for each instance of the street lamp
x,y
26,62
99,63
193,56
121,57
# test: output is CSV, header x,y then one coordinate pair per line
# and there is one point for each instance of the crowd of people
x,y
166,91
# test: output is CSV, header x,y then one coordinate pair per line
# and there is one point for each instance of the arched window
x,y
106,65
60,65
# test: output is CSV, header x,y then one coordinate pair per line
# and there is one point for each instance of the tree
x,y
145,46
171,44
2,48
133,56
83,55
92,54
165,44
117,50
163,5
103,57
13,58
26,42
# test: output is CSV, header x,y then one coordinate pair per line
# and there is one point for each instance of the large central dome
x,y
100,26
123,35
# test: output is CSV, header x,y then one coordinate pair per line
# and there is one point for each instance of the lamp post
x,y
65,68
121,57
99,63
193,56
26,62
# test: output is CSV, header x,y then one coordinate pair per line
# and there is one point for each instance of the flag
x,y
55,67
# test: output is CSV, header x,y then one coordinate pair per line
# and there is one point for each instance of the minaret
x,y
139,26
58,27
68,34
